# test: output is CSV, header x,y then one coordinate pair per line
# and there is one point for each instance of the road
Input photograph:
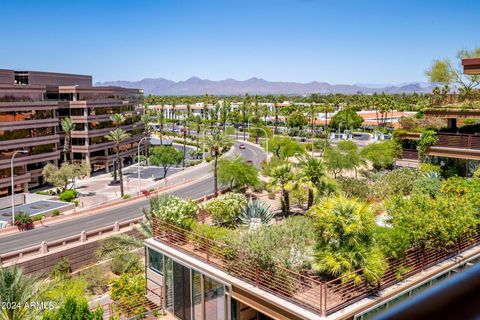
x,y
202,186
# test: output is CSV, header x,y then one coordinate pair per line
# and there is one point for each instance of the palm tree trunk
x,y
286,201
215,177
120,174
310,198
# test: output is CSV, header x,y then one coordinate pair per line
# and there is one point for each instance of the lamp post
x,y
138,165
13,186
266,142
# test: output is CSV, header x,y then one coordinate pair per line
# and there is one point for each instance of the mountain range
x,y
197,86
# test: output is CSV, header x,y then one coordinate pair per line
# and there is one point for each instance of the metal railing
x,y
457,140
307,290
45,247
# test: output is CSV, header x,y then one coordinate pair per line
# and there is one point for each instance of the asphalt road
x,y
202,186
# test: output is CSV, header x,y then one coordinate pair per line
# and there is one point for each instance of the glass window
x,y
181,292
168,284
197,294
214,299
155,260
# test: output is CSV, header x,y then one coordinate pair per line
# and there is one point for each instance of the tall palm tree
x,y
19,290
161,120
118,136
117,119
217,143
312,170
67,126
283,178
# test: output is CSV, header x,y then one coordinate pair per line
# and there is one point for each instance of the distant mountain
x,y
197,86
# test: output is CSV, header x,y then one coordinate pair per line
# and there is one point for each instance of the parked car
x,y
242,146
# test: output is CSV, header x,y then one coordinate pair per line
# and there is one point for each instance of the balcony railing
x,y
410,154
456,140
322,297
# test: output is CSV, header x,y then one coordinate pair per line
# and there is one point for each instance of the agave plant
x,y
254,213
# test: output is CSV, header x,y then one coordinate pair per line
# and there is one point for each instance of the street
x,y
202,186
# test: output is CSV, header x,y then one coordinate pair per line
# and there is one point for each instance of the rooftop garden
x,y
344,218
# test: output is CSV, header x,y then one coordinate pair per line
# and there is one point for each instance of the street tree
x,y
118,136
218,142
61,177
67,126
166,157
237,173
285,147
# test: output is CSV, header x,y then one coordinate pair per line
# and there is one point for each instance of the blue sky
x,y
336,41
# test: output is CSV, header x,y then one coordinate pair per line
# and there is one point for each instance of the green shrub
x,y
226,208
62,269
126,196
126,262
97,280
127,290
23,221
68,195
55,212
174,210
354,188
396,182
75,202
38,217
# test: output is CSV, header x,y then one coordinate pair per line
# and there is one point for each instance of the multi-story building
x,y
458,142
32,105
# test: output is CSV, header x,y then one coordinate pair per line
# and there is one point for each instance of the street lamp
x,y
266,141
138,165
13,186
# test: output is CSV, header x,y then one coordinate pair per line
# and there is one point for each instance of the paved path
x,y
202,185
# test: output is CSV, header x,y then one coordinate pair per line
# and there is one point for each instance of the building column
x,y
107,169
87,160
25,187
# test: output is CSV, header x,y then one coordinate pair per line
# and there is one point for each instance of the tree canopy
x,y
165,156
237,173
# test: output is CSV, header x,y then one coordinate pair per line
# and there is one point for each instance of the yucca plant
x,y
255,211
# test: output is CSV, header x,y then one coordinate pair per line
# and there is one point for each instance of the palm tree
x,y
217,142
161,120
19,290
118,136
345,229
312,170
67,126
283,178
117,119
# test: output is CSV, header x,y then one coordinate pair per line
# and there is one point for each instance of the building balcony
x,y
28,124
29,142
455,145
102,146
104,131
28,106
21,160
288,294
19,179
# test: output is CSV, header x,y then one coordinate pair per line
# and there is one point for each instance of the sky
x,y
336,41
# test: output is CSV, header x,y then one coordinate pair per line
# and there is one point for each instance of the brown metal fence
x,y
306,290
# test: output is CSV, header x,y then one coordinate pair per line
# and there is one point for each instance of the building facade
x,y
32,106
